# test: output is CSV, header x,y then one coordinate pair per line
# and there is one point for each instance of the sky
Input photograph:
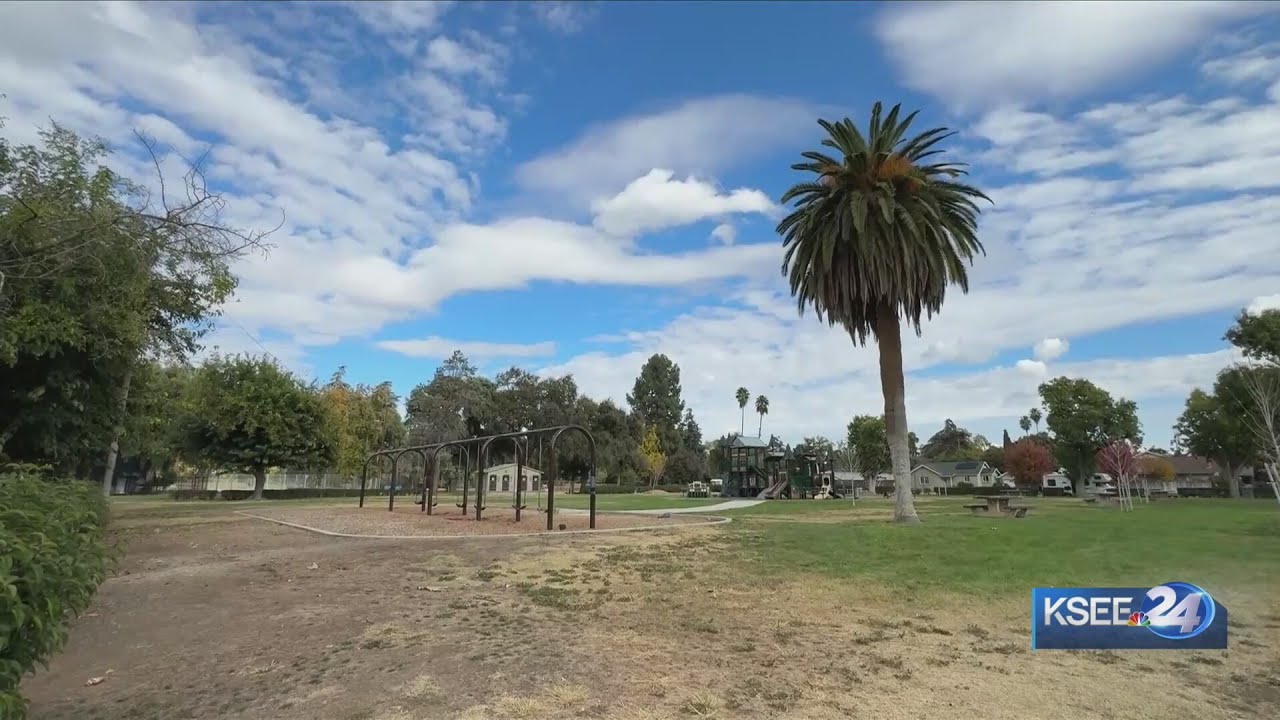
x,y
571,187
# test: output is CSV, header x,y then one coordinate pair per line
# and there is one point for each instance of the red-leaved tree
x,y
1027,461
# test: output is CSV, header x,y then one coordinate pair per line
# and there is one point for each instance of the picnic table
x,y
999,503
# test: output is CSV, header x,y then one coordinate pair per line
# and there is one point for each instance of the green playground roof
x,y
749,442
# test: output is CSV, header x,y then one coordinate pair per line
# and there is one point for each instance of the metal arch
x,y
428,499
395,465
364,474
515,438
556,432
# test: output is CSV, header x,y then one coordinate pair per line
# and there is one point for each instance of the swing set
x,y
477,448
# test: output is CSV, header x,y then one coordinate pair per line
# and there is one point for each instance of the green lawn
x,y
1218,544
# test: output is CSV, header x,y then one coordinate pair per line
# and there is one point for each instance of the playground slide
x,y
774,490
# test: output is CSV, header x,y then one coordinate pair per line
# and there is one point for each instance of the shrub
x,y
52,559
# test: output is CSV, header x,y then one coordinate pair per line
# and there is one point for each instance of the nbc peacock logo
x,y
1138,619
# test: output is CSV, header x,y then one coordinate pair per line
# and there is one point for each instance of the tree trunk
x,y
1233,481
760,428
259,482
113,450
889,338
742,426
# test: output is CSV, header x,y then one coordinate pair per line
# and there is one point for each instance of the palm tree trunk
x,y
889,339
742,426
760,427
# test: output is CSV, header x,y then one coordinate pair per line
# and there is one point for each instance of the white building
x,y
501,478
938,477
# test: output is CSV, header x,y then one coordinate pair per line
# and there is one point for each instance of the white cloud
x,y
1051,349
1032,368
564,17
725,233
972,54
701,137
1260,64
657,201
454,58
440,348
1263,303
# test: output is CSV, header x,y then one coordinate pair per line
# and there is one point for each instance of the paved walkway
x,y
726,505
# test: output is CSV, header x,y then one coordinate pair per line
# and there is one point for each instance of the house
x,y
501,478
936,477
845,482
1190,473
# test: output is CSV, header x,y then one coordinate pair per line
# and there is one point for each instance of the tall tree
x,y
995,457
952,442
743,397
1025,423
98,277
762,409
249,415
360,420
691,434
1084,418
879,234
655,399
817,445
1034,416
870,444
1215,425
1257,335
453,405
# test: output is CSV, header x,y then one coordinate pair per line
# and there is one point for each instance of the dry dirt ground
x,y
215,615
410,521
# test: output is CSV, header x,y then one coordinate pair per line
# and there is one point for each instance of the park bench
x,y
1020,511
978,508
1090,500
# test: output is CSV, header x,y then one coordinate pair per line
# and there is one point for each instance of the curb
x,y
711,520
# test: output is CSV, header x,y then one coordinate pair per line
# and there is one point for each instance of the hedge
x,y
52,559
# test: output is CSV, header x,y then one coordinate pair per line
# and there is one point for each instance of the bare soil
x,y
411,521
215,615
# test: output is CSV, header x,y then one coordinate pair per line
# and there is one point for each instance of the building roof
x,y
749,442
957,467
1191,465
504,466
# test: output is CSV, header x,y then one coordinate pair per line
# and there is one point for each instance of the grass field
x,y
797,609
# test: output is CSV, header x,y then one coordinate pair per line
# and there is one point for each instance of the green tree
x,y
251,415
655,460
743,397
157,404
455,404
691,434
879,234
1214,425
818,446
1083,419
655,399
870,444
1025,423
762,409
995,457
360,420
99,277
952,442
1257,335
1034,416
684,467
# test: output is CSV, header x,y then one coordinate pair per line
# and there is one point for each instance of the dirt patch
x,y
411,522
246,620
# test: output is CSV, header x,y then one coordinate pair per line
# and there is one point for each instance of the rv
x,y
717,484
1057,483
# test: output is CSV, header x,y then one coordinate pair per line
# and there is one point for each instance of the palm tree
x,y
762,409
1035,416
743,396
879,235
1025,423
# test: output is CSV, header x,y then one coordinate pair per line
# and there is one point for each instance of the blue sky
x,y
571,187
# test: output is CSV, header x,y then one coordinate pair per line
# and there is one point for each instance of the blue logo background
x,y
1114,633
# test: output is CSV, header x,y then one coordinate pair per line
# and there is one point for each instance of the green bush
x,y
52,559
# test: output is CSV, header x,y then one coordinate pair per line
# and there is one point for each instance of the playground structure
x,y
477,449
752,469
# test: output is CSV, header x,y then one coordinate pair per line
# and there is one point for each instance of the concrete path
x,y
726,505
